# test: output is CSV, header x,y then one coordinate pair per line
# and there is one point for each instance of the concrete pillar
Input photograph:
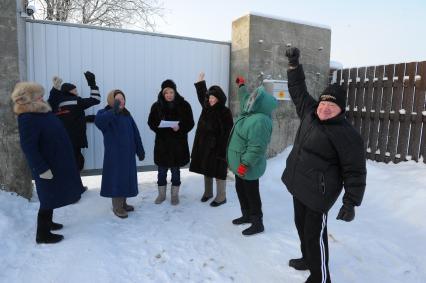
x,y
258,46
14,172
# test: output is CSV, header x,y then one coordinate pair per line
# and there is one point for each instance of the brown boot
x,y
208,189
175,195
117,207
221,193
128,207
161,195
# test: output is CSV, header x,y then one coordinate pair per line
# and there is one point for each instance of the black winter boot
x,y
298,263
44,236
53,226
245,219
256,226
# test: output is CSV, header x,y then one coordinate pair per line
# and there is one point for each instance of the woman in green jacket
x,y
246,153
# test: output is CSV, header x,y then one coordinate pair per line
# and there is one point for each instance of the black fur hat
x,y
168,84
217,92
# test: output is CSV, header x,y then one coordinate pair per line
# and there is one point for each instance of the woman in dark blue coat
x,y
49,153
122,142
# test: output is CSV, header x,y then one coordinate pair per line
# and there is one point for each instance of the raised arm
x,y
201,88
296,84
243,93
103,118
95,97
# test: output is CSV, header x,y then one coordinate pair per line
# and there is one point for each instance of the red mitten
x,y
242,170
240,80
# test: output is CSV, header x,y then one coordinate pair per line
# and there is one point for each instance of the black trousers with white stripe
x,y
312,229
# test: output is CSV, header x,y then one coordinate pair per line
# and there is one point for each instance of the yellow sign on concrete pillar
x,y
278,88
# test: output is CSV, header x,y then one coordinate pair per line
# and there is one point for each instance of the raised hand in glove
x,y
293,55
346,213
242,170
141,156
116,107
240,80
90,77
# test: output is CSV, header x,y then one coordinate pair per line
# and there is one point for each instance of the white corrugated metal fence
x,y
135,62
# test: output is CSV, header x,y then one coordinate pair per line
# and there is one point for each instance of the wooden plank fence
x,y
386,105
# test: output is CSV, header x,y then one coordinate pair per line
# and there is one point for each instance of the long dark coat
x,y
326,156
171,148
122,143
46,145
208,155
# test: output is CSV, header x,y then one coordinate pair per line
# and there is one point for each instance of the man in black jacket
x,y
328,154
69,107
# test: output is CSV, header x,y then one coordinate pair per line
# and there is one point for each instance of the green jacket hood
x,y
259,101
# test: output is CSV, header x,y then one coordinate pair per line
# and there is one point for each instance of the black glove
x,y
90,77
293,55
117,106
141,156
346,213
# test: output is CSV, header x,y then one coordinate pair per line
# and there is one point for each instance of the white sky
x,y
363,32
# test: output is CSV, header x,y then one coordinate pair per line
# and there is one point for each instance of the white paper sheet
x,y
168,124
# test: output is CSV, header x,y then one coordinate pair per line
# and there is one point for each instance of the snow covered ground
x,y
194,242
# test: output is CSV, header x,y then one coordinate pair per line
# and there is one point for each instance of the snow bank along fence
x,y
386,104
135,62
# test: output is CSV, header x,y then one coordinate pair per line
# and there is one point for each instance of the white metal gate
x,y
135,62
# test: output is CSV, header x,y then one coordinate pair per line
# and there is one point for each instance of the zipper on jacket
x,y
322,184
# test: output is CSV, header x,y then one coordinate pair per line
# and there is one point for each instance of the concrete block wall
x,y
258,46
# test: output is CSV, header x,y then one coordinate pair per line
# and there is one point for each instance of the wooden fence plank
x,y
368,102
416,115
423,141
398,87
359,98
422,85
405,112
375,111
385,108
351,95
344,82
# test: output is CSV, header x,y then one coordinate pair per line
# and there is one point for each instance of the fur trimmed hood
x,y
26,98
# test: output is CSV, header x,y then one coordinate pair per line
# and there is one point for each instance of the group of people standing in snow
x,y
327,153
